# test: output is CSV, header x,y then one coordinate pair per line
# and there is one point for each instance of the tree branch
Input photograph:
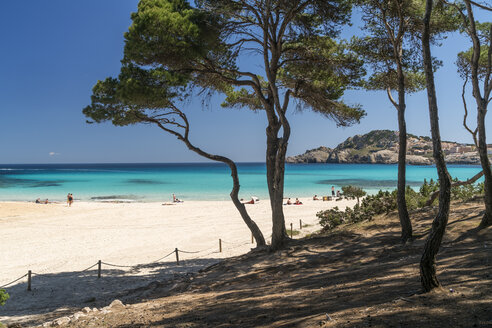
x,y
390,96
473,133
480,5
455,184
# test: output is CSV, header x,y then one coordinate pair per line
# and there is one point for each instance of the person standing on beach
x,y
333,191
69,199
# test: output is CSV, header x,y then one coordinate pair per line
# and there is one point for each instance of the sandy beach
x,y
54,241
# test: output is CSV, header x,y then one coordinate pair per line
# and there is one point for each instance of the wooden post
x,y
177,256
99,265
291,230
29,274
252,238
300,224
220,245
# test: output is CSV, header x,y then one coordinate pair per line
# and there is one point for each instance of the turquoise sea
x,y
197,181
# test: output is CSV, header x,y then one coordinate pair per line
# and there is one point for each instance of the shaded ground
x,y
357,276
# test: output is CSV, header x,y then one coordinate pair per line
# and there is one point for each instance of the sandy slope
x,y
54,240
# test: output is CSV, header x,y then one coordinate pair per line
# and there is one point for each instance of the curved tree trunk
x,y
255,230
253,227
428,275
406,224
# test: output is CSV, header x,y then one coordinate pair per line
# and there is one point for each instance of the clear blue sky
x,y
54,51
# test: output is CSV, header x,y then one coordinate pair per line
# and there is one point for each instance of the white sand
x,y
57,240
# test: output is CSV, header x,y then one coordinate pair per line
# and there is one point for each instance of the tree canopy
x,y
464,59
205,42
394,29
175,48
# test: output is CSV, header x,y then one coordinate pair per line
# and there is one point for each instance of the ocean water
x,y
197,181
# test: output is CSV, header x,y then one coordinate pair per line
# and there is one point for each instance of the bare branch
x,y
472,132
390,96
479,5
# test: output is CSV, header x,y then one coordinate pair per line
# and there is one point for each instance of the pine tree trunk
x,y
275,162
428,276
253,227
255,230
484,160
482,103
406,224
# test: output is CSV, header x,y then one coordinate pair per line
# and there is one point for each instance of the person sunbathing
x,y
298,202
288,202
252,201
316,197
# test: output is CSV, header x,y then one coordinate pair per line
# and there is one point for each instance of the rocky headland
x,y
381,147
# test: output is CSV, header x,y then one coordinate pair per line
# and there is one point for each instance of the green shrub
x,y
385,202
382,202
354,192
3,296
331,218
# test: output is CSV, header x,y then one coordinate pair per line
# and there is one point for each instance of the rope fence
x,y
10,283
176,251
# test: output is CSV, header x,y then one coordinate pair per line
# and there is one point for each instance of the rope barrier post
x,y
300,224
177,256
291,230
99,265
252,238
29,274
220,245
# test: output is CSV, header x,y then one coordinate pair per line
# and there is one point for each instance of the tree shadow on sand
x,y
345,280
357,278
59,294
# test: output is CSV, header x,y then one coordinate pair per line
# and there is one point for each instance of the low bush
x,y
384,202
3,296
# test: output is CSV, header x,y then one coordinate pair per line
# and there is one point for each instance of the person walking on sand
x,y
69,199
333,191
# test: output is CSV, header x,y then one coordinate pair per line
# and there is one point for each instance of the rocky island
x,y
381,147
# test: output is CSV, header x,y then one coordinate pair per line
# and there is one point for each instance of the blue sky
x,y
54,51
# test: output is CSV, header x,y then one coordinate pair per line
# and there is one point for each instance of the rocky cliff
x,y
381,147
